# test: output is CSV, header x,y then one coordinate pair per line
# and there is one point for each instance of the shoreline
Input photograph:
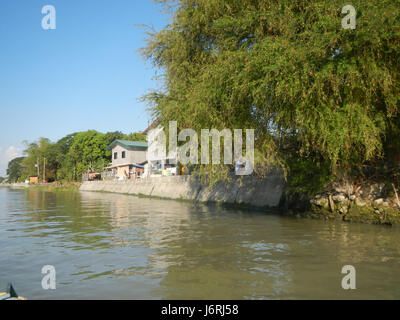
x,y
253,197
52,186
249,191
253,194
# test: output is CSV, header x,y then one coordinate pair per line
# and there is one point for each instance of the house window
x,y
115,155
123,155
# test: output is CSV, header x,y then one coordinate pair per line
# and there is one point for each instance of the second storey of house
x,y
125,152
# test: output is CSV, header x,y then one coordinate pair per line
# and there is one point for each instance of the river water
x,y
110,246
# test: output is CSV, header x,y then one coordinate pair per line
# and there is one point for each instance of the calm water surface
x,y
109,246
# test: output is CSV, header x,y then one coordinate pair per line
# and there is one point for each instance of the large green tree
x,y
288,69
89,149
66,164
46,153
118,135
15,169
136,136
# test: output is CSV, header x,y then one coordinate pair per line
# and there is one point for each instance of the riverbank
x,y
53,186
247,191
369,203
346,200
342,202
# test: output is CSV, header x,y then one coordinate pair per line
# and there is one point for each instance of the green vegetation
x,y
57,186
367,214
67,158
321,99
15,169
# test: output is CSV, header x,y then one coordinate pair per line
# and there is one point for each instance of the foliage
x,y
289,70
15,169
66,163
135,136
67,158
88,149
307,176
40,150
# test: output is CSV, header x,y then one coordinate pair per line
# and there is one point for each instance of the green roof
x,y
128,144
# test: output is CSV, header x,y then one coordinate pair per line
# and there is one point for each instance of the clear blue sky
x,y
85,74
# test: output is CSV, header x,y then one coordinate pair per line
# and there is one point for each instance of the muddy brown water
x,y
110,246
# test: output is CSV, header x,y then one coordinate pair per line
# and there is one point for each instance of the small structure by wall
x,y
34,180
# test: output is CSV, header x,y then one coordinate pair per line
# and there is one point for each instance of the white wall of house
x,y
132,155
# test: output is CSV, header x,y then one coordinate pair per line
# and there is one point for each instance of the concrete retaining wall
x,y
250,191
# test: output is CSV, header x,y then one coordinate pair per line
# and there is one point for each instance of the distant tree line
x,y
67,158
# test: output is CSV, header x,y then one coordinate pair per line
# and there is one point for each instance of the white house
x,y
128,159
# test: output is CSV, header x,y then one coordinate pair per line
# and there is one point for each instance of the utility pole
x,y
44,169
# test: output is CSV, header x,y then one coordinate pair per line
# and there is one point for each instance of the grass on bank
x,y
57,186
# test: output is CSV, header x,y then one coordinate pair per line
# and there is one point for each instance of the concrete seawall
x,y
251,191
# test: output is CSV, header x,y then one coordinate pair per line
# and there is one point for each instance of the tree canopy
x,y
67,158
310,88
15,169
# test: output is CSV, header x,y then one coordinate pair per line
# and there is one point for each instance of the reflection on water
x,y
109,246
